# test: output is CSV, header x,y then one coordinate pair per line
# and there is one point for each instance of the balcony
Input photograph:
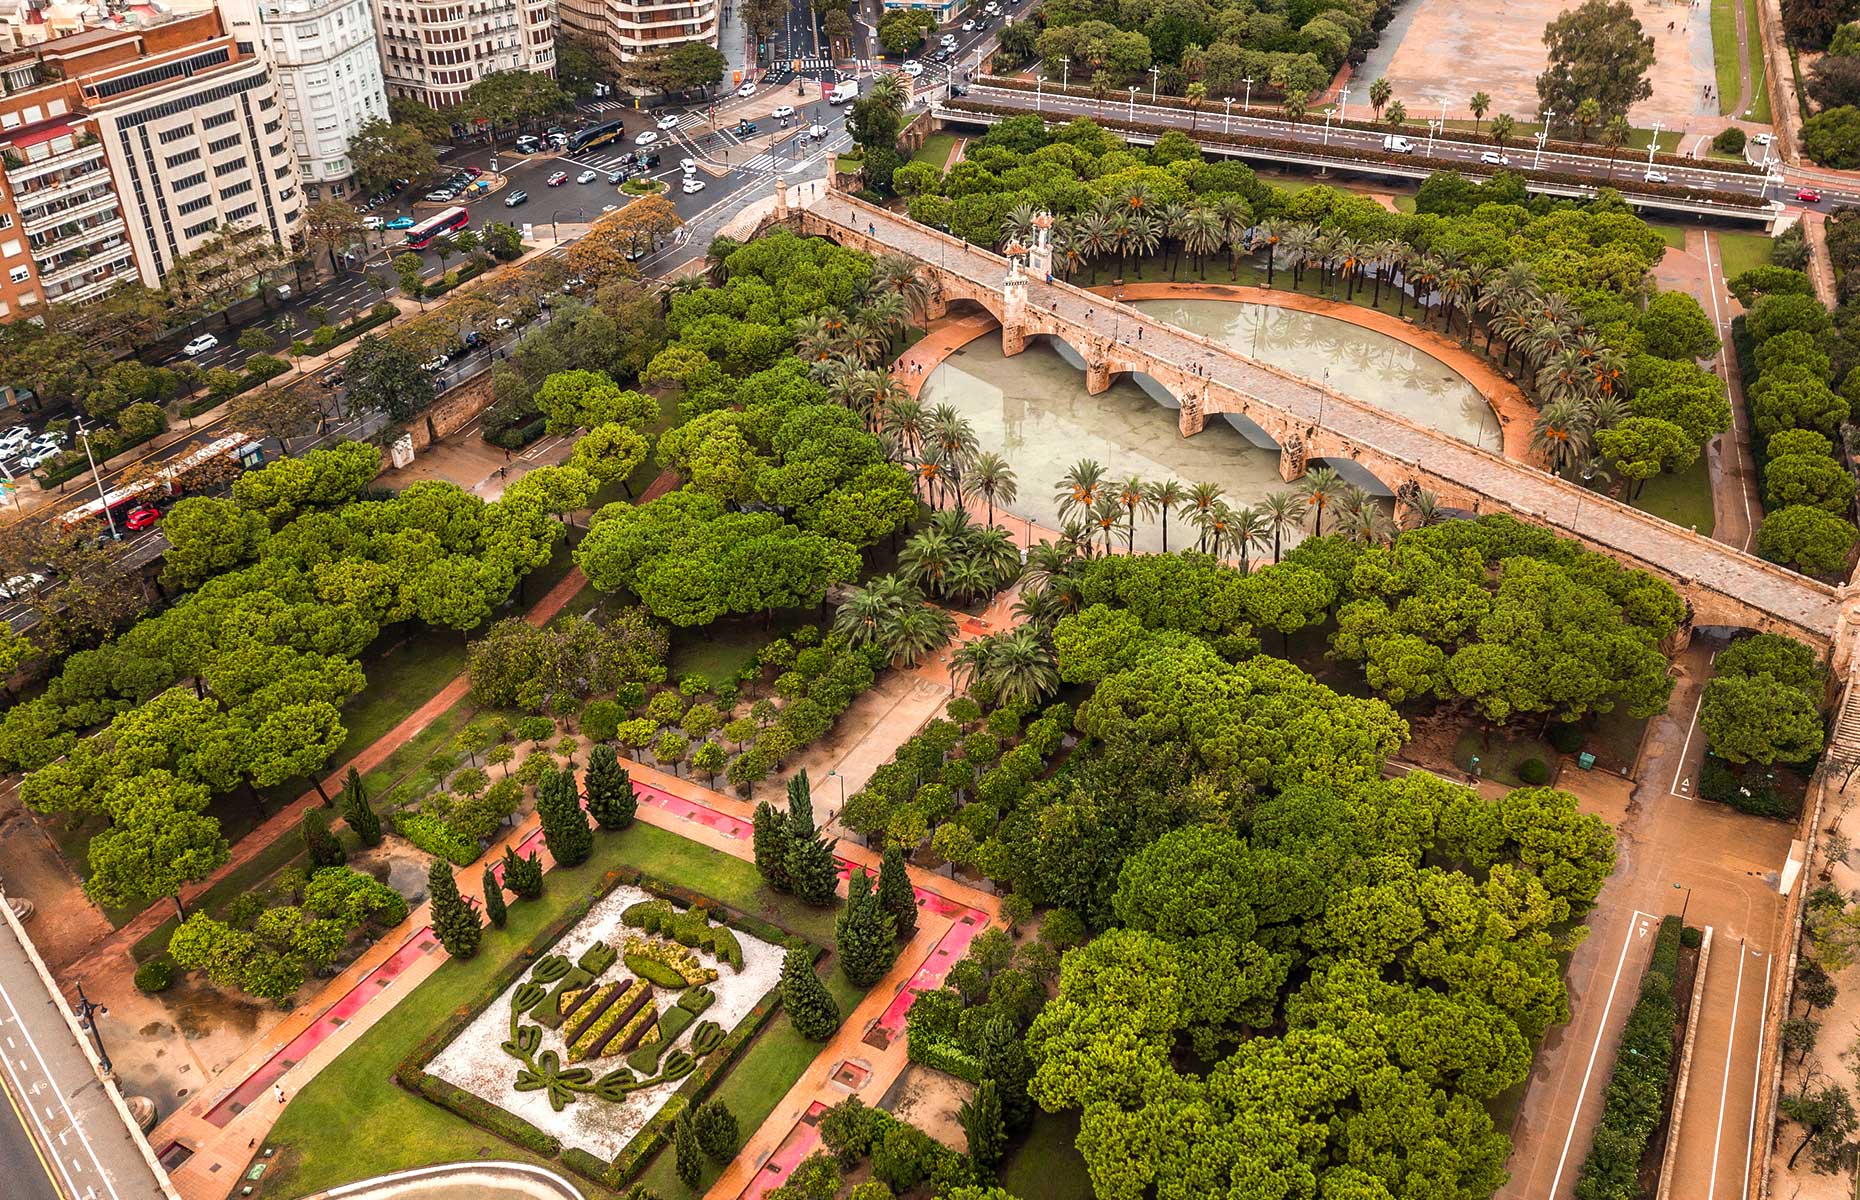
x,y
87,288
39,219
88,265
88,235
38,169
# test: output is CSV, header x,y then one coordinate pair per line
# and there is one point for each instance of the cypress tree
x,y
772,842
453,920
610,789
565,827
325,850
716,1130
690,1157
811,1007
800,806
494,898
864,935
981,1120
358,812
812,874
1004,1060
523,876
895,895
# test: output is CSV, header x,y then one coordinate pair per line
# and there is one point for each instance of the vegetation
x,y
1635,1101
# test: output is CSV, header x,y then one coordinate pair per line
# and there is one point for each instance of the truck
x,y
843,91
1395,143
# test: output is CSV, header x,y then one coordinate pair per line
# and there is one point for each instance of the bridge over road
x,y
1723,585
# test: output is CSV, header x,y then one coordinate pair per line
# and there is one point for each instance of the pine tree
x,y
811,1007
1004,1060
565,827
611,801
358,812
981,1120
453,920
716,1130
523,876
800,806
494,898
690,1157
864,935
812,873
325,850
772,842
895,895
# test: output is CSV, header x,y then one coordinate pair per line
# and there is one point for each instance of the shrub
x,y
1533,771
600,719
1729,141
1748,788
1565,738
155,975
693,685
434,836
1635,1101
1690,938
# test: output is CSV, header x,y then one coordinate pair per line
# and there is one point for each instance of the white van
x,y
844,91
1395,143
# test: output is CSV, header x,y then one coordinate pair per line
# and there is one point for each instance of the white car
x,y
693,185
49,441
688,166
200,345
14,438
968,26
587,177
747,90
816,131
647,138
433,365
1653,176
1494,158
572,285
503,325
37,458
783,112
913,68
22,585
373,222
668,122
1764,139
949,39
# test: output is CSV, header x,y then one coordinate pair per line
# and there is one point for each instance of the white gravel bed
x,y
476,1062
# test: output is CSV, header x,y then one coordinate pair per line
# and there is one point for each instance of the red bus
x,y
421,236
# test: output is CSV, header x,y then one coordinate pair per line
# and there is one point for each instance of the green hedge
x,y
943,1056
436,837
1746,788
1640,1086
488,1117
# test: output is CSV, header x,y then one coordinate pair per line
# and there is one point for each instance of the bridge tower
x,y
1040,255
1014,304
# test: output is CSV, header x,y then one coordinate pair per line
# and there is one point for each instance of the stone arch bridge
x,y
1723,585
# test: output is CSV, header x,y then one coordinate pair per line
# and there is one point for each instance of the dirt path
x,y
1744,90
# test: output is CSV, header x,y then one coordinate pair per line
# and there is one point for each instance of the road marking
x,y
1636,928
36,1152
1687,748
1724,1089
1763,1020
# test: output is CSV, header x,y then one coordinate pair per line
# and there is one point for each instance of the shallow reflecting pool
x,y
1033,409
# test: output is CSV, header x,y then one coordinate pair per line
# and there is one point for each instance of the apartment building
x,y
434,50
123,149
619,31
327,61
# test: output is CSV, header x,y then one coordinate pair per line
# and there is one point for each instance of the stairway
x,y
1844,743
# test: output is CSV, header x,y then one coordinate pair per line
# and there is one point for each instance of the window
x,y
223,145
6,220
237,189
10,248
194,206
216,120
20,274
174,135
240,214
227,168
184,157
194,180
194,231
173,70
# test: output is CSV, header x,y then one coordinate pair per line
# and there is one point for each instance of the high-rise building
x,y
619,31
123,149
328,65
434,50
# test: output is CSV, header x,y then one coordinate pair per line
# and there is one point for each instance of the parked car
x,y
142,516
668,121
372,222
434,365
587,177
558,179
401,223
21,585
1494,158
968,26
616,177
14,438
646,138
1808,195
688,166
573,285
515,198
34,459
332,378
693,185
503,325
443,196
200,345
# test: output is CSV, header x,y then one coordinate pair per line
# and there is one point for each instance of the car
x,y
667,122
968,26
558,179
693,185
783,112
949,39
646,138
573,284
688,166
52,437
616,177
587,177
816,131
529,144
19,435
745,128
1808,195
1653,176
401,223
943,55
747,90
636,252
648,161
200,345
142,516
22,585
473,341
913,68
607,208
371,222
332,378
433,365
37,458
503,325
1494,158
442,196
515,198
1763,139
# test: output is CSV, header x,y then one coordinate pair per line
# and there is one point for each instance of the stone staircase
x,y
1844,741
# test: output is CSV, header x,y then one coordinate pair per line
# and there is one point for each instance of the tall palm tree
x,y
927,559
1565,376
1272,233
1021,667
1421,509
900,421
1606,412
1161,496
1367,525
816,337
1079,488
865,614
1131,496
1107,514
1425,272
1017,226
970,660
1202,497
1169,220
990,478
1202,234
996,553
1319,489
1142,234
1236,218
1456,285
917,633
1047,563
1295,244
904,276
1283,511
720,249
1561,434
1096,233
1249,529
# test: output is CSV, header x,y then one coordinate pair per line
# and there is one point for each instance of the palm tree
x,y
927,559
1561,435
1067,250
1250,528
1565,377
1283,511
1216,523
1387,256
1397,115
1017,226
1422,508
1503,126
1107,514
1425,273
1272,233
1202,497
1320,487
918,632
1196,94
1614,136
1131,496
1379,93
816,337
1096,233
990,478
865,615
1169,221
900,419
1296,243
1368,525
1047,563
904,276
1160,497
720,248
892,90
1142,234
1480,104
1235,218
1079,488
969,579
1021,668
1455,288
995,552
1202,234
1606,411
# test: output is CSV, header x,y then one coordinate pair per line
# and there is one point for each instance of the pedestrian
x,y
506,456
277,1089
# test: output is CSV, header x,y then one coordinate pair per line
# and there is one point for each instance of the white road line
x,y
1724,1089
46,1072
1636,927
1686,749
1763,1019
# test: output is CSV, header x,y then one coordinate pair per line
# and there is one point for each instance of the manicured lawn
x,y
1759,110
1683,499
406,675
1725,58
324,1142
1404,203
1048,1166
936,150
1738,252
1672,235
721,649
412,754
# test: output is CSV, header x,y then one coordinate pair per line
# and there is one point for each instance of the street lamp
x,y
1653,145
87,1014
555,219
1131,112
97,476
1065,72
1246,105
1433,127
834,774
1343,105
1229,116
1039,85
1155,78
1543,135
1328,114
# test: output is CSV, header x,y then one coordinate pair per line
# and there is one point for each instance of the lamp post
x,y
97,477
1654,145
1343,105
1065,72
1328,114
1155,78
87,1014
1543,135
1130,113
1433,127
1039,85
836,775
1246,105
1225,120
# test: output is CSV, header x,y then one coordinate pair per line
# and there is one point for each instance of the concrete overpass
x,y
1722,585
